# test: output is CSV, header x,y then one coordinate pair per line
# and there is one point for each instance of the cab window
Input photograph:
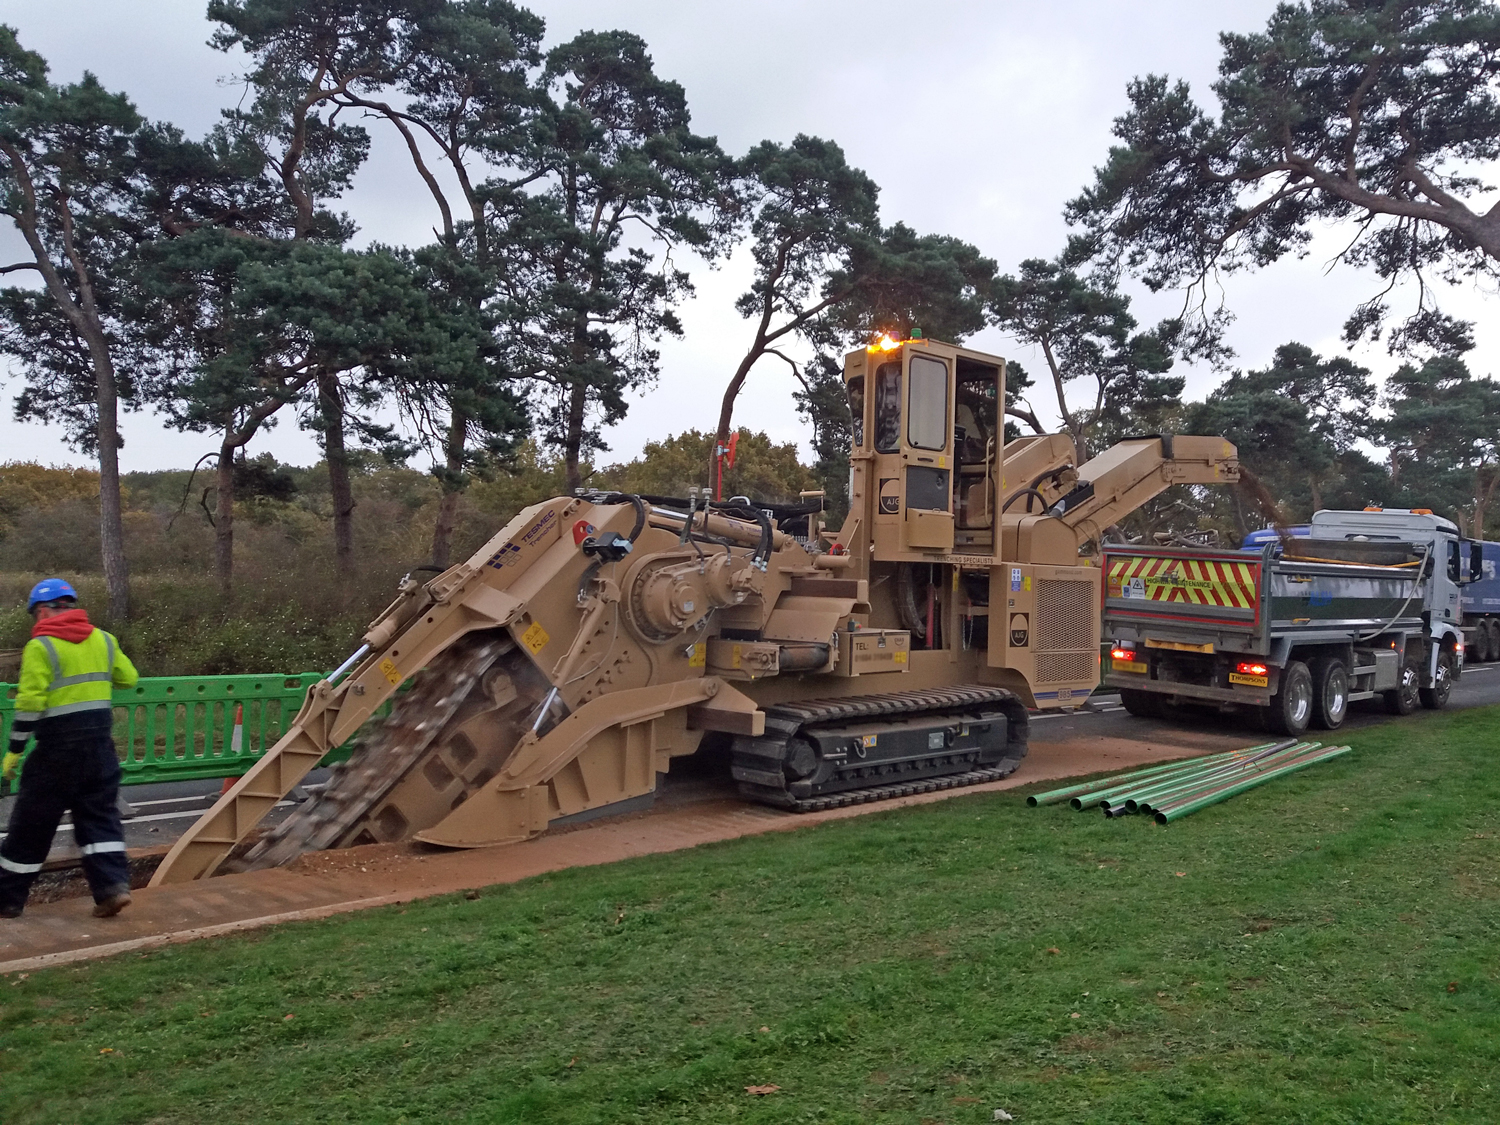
x,y
857,408
927,413
975,420
888,408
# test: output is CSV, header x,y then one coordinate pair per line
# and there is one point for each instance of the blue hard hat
x,y
49,590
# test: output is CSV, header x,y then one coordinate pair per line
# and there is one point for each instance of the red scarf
x,y
72,625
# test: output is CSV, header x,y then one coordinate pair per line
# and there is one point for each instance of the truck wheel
x,y
1484,644
1330,693
1292,705
1141,704
1435,698
1493,628
1402,700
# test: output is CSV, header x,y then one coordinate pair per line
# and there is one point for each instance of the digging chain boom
x,y
417,745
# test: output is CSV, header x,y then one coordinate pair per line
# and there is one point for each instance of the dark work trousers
x,y
78,772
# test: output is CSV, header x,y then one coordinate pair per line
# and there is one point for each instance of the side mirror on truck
x,y
1476,560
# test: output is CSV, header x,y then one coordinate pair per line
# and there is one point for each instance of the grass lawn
x,y
1324,949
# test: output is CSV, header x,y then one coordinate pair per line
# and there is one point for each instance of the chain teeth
x,y
387,755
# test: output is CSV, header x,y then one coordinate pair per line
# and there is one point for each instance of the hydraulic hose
x,y
633,500
1028,493
1050,474
1416,585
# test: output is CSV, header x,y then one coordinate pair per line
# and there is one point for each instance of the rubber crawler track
x,y
753,756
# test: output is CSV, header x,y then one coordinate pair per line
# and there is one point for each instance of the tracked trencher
x,y
597,637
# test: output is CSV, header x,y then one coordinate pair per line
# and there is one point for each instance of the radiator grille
x,y
1066,618
1066,667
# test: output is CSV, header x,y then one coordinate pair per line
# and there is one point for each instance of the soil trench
x,y
691,811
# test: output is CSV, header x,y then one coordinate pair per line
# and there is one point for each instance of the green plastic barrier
x,y
179,728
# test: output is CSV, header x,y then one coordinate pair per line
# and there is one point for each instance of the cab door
x,y
927,452
978,446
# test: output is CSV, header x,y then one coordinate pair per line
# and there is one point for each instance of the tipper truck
x,y
1365,606
1480,602
600,636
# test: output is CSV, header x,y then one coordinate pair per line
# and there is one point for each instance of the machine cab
x,y
928,443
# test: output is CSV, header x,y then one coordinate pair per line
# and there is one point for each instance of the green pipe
x,y
1186,808
1111,797
1053,796
1108,788
1145,803
1142,799
1114,798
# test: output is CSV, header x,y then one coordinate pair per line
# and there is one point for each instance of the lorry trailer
x,y
1478,597
1366,606
1480,602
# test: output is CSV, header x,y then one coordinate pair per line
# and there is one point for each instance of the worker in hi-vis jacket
x,y
69,671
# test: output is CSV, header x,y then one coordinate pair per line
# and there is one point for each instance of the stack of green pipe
x,y
1107,790
1186,804
1175,789
1144,800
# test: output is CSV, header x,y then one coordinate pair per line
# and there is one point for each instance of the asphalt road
x,y
165,811
1479,686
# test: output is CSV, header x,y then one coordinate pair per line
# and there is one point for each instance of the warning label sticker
x,y
1208,582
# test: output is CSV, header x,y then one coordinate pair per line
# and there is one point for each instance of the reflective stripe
x,y
74,708
82,678
52,656
26,716
109,664
19,868
106,846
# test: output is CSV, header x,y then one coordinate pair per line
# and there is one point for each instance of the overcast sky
x,y
978,120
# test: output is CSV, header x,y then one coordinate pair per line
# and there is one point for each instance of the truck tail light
x,y
1119,653
1245,668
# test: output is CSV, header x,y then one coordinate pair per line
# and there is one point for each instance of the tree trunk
x,y
1071,422
1317,492
331,403
573,443
83,314
1482,495
111,518
726,409
224,516
447,517
1241,523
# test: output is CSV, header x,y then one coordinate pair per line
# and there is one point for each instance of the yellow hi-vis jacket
x,y
60,678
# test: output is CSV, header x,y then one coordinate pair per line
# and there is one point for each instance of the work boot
x,y
109,907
